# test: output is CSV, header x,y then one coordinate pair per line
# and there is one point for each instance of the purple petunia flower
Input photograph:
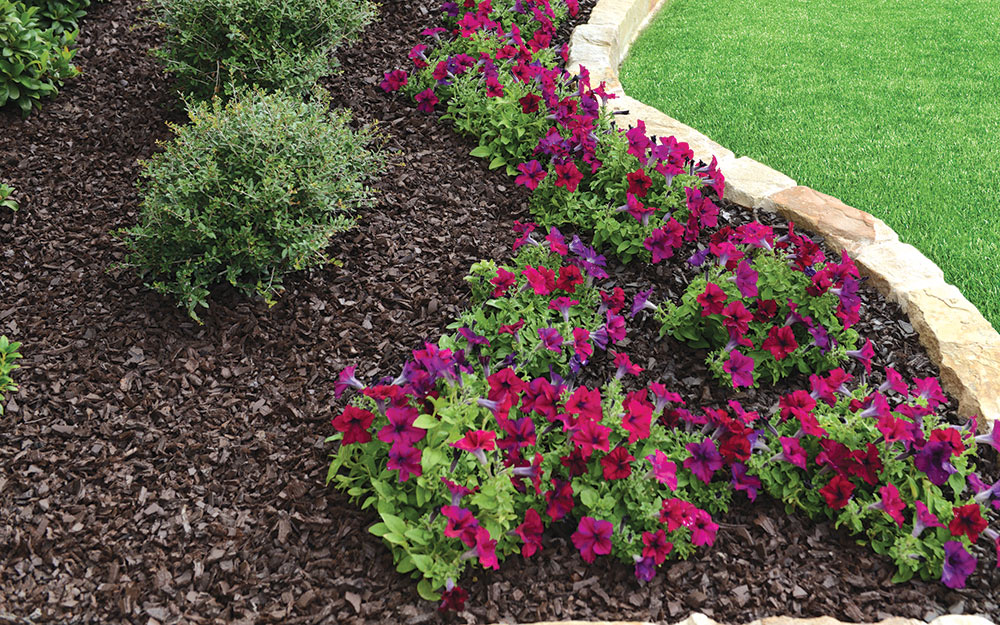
x,y
741,368
705,459
641,302
401,430
645,568
532,174
745,482
663,470
346,379
934,459
551,339
746,279
958,564
923,519
406,460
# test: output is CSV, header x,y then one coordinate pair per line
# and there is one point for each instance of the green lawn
x,y
892,106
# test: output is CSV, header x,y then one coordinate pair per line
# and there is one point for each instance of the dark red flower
x,y
838,492
618,464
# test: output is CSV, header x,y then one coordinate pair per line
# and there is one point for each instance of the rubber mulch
x,y
159,471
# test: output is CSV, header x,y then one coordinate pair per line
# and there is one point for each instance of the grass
x,y
892,106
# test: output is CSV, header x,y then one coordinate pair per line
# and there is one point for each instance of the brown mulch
x,y
158,471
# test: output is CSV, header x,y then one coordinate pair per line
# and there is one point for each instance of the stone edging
x,y
700,619
959,340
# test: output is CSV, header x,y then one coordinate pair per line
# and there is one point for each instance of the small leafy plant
x,y
8,354
247,192
33,62
6,201
59,15
215,46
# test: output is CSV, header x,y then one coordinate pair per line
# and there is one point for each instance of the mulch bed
x,y
158,471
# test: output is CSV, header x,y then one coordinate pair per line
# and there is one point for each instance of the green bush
x,y
33,62
247,192
59,15
8,354
211,45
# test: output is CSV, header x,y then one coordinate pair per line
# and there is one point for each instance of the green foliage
x,y
248,192
921,555
8,354
213,46
59,15
6,201
33,62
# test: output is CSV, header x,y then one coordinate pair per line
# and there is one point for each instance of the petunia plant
x,y
768,306
8,354
881,462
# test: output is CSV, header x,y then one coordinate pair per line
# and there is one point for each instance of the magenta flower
x,y
864,355
346,380
895,382
581,344
704,460
477,442
569,278
461,524
394,81
529,103
530,532
838,492
493,87
703,530
557,244
486,549
780,342
401,429
551,339
638,142
745,482
568,176
736,318
638,416
930,389
503,281
792,452
663,241
676,513
624,365
542,280
532,174
891,503
664,470
589,435
639,183
923,519
958,565
702,208
746,279
712,300
354,423
592,538
559,499
641,302
457,490
617,465
406,460
656,546
563,304
426,100
641,212
741,368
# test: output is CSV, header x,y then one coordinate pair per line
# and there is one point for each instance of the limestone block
x,y
843,226
895,268
826,620
590,46
750,183
627,17
964,345
961,619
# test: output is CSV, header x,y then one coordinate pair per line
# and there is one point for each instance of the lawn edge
x,y
958,339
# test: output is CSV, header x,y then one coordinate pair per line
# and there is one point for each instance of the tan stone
x,y
750,183
589,45
961,619
627,17
826,620
964,345
844,227
895,268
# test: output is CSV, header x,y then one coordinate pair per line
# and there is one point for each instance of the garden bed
x,y
157,469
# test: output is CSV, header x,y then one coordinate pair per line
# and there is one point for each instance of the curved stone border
x,y
959,340
700,619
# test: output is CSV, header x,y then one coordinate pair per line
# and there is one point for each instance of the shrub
x,y
211,45
248,192
59,15
8,354
33,62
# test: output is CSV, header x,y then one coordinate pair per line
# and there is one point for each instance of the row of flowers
x,y
506,427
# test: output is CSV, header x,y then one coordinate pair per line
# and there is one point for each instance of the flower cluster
x,y
768,304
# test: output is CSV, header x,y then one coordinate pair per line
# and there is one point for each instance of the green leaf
x,y
379,529
497,162
481,151
394,523
426,422
405,564
426,591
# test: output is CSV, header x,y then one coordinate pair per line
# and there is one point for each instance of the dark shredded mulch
x,y
158,471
